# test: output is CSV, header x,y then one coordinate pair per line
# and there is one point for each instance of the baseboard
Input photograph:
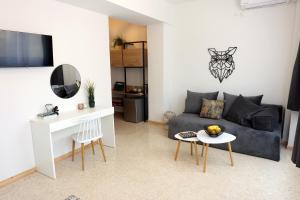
x,y
17,177
69,154
156,122
32,170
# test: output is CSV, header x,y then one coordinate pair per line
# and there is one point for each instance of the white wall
x,y
161,45
156,67
263,37
80,38
129,32
147,13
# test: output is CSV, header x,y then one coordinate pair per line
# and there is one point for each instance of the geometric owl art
x,y
221,64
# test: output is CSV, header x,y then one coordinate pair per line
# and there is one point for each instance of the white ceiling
x,y
112,10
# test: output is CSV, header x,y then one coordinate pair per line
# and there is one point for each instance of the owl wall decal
x,y
221,64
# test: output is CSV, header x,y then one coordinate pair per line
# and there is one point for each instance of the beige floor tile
x,y
142,167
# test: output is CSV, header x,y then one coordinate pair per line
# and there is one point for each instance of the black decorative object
x,y
90,87
294,104
188,134
65,81
221,64
216,134
50,110
72,197
91,101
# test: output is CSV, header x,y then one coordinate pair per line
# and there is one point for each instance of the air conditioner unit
x,y
247,4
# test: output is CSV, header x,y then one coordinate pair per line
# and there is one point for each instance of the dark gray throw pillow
x,y
242,110
193,102
230,98
274,110
263,120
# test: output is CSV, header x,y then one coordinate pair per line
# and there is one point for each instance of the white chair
x,y
89,131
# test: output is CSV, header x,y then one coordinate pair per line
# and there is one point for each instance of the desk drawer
x,y
63,124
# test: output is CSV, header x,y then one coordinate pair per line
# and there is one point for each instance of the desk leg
x,y
108,130
43,149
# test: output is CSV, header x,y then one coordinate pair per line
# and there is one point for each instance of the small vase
x,y
91,101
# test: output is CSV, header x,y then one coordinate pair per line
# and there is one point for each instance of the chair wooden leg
x,y
92,143
177,150
191,148
202,149
73,150
82,156
102,149
205,158
196,153
230,153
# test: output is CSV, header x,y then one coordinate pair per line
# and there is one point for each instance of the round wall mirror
x,y
65,81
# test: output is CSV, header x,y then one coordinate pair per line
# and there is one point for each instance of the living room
x,y
255,43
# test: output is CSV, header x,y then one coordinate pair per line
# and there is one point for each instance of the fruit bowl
x,y
214,130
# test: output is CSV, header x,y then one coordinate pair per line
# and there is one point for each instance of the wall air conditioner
x,y
247,4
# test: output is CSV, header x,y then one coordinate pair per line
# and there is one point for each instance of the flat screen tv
x,y
18,49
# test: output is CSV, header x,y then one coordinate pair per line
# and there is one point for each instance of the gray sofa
x,y
249,141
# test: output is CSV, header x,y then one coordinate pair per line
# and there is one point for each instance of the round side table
x,y
207,140
193,142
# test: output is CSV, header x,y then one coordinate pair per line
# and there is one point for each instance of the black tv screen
x,y
18,49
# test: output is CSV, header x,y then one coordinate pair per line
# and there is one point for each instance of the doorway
x,y
129,70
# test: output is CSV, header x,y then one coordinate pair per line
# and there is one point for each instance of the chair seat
x,y
74,136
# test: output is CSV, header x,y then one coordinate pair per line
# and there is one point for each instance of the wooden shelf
x,y
128,58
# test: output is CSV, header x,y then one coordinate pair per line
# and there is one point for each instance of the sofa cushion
x,y
212,109
242,110
193,101
229,100
263,120
275,111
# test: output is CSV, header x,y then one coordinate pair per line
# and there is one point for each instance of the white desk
x,y
42,130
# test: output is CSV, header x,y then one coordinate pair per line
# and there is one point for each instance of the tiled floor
x,y
142,167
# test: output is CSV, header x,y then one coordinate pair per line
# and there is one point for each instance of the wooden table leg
x,y
191,148
230,153
202,149
82,156
205,158
92,143
196,153
177,150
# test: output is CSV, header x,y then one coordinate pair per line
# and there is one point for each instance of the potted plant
x,y
118,42
90,88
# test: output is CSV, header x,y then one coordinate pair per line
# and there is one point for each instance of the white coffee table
x,y
207,140
193,142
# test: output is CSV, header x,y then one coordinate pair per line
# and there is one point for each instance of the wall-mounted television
x,y
19,49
